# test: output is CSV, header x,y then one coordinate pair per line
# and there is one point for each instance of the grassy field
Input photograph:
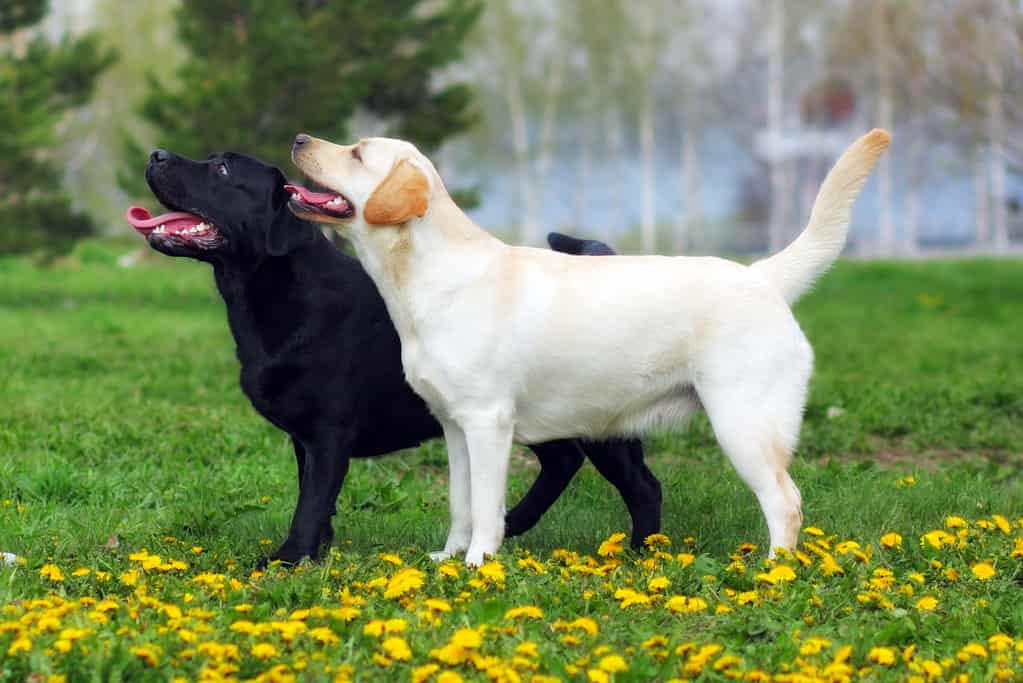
x,y
139,489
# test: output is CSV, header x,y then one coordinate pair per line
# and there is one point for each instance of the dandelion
x,y
971,650
492,571
779,574
396,648
813,531
885,656
449,677
685,559
20,644
51,572
629,597
405,581
814,646
420,674
983,570
927,603
263,651
532,565
685,605
612,546
658,584
391,558
654,541
524,612
147,653
937,539
613,664
467,638
906,482
891,540
437,605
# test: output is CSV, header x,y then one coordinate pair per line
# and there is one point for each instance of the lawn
x,y
140,489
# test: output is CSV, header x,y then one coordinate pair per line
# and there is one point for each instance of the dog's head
x,y
375,183
227,207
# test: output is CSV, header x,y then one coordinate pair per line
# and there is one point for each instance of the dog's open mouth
x,y
176,228
324,203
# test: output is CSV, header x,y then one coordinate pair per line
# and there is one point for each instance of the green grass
x,y
121,418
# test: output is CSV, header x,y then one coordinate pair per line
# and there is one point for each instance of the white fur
x,y
510,343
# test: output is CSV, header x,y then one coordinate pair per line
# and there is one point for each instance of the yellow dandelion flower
x,y
657,541
613,664
927,603
51,572
532,565
813,531
814,646
467,638
382,661
726,662
345,613
492,571
953,522
448,569
527,648
906,482
937,539
597,676
129,578
612,546
421,674
1003,524
263,651
885,656
20,644
397,648
983,570
629,597
149,654
830,566
524,612
779,574
584,624
891,540
971,650
1000,642
449,677
685,559
81,571
437,605
685,604
391,558
405,581
324,635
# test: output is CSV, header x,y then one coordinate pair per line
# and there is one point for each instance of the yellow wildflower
x,y
526,612
420,674
263,651
657,541
658,584
685,559
437,605
885,656
685,605
467,638
597,676
449,677
891,540
983,570
51,572
927,603
954,522
937,538
527,648
613,664
492,571
391,558
397,648
405,581
778,574
612,546
147,653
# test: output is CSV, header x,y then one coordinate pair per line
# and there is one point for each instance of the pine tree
x,y
261,71
40,82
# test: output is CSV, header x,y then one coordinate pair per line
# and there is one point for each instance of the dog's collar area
x,y
177,228
331,204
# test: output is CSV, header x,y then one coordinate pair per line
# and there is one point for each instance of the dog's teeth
x,y
296,196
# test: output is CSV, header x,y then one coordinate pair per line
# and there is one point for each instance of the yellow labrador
x,y
512,343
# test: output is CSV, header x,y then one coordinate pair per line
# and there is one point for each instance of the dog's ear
x,y
403,195
288,232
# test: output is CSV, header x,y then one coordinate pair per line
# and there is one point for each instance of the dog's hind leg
x,y
489,437
459,493
758,436
559,461
621,463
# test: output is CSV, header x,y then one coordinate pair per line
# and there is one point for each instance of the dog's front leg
x,y
324,461
460,532
489,444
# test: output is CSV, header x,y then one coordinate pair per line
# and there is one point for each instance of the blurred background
x,y
696,126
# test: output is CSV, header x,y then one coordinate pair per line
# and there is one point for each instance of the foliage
x,y
129,450
40,84
273,68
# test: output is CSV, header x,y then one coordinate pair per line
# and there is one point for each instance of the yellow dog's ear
x,y
404,194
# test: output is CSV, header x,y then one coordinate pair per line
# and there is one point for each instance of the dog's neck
x,y
420,252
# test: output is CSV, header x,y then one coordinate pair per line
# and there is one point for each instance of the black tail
x,y
573,245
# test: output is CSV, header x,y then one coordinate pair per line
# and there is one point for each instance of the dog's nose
x,y
300,140
159,156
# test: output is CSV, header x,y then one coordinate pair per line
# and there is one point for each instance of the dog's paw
x,y
440,556
475,558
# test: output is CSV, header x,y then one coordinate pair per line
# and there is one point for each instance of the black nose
x,y
159,156
300,140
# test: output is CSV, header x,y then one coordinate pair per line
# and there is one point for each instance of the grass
x,y
122,428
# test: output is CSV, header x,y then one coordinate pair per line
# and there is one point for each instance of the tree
x,y
41,82
273,68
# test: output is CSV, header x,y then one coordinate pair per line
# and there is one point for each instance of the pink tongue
x,y
142,221
310,197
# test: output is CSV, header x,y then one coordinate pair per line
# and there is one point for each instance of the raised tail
x,y
794,269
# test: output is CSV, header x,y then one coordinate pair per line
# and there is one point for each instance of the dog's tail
x,y
580,247
794,269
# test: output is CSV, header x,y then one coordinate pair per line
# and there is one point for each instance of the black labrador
x,y
319,356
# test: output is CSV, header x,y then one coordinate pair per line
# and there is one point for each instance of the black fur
x,y
321,360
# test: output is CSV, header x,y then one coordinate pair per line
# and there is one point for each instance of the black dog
x,y
319,356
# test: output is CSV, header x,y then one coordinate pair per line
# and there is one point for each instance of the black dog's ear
x,y
287,232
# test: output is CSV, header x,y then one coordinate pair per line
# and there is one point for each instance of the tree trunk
x,y
775,112
996,128
648,210
552,96
886,120
528,229
982,216
613,143
691,209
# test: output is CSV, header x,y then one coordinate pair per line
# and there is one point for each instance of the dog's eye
x,y
356,153
222,170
